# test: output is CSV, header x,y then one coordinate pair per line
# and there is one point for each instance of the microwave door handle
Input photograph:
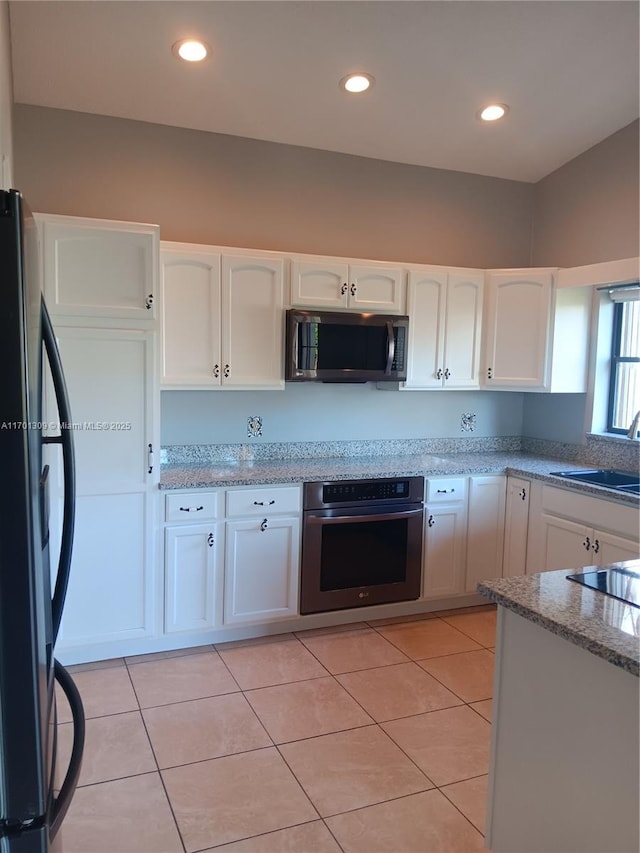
x,y
391,348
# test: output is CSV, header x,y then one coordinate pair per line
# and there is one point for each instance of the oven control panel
x,y
374,491
365,491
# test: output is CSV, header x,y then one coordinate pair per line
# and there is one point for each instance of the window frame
x,y
616,361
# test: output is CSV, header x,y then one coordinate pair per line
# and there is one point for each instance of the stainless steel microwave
x,y
323,346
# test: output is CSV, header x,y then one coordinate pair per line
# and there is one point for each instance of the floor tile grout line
x,y
162,782
457,807
446,686
263,835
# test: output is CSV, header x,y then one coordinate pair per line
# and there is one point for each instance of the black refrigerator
x,y
31,596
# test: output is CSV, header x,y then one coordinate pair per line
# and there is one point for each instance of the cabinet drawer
x,y
192,507
252,502
446,489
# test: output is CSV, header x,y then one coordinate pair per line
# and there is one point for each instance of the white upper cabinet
x,y
536,337
516,328
445,316
97,268
334,285
222,319
190,318
252,322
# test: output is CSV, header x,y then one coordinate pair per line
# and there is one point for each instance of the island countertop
x,y
599,623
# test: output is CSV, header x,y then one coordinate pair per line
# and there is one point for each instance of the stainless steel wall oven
x,y
361,543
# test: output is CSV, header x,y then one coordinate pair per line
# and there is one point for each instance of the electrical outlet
x,y
467,422
254,426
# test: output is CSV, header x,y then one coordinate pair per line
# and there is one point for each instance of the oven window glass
x,y
363,553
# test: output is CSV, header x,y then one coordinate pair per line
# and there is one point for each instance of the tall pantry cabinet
x,y
100,287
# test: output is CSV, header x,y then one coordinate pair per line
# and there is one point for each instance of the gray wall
x,y
210,188
225,190
587,211
313,412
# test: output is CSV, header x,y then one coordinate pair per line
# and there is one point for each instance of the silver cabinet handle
x,y
191,508
216,370
264,525
489,372
264,503
596,546
344,288
444,491
438,374
226,371
447,374
150,457
210,540
431,521
352,289
148,302
523,494
587,543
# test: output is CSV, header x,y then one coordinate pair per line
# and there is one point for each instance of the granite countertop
x,y
202,475
604,626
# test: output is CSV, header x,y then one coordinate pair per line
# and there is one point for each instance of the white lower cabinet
x,y
261,569
231,557
516,527
110,594
194,556
575,530
445,530
485,531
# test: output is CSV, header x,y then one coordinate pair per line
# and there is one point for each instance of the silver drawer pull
x,y
191,508
444,491
264,503
264,525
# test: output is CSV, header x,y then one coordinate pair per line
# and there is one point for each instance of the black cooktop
x,y
618,583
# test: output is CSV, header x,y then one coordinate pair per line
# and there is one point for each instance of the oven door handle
x,y
310,518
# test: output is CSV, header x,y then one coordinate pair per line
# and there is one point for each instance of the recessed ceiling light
x,y
493,112
356,83
191,50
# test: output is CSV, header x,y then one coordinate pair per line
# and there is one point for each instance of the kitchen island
x,y
564,774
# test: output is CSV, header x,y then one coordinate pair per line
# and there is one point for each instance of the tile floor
x,y
364,738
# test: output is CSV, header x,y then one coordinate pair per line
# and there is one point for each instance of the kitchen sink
x,y
623,481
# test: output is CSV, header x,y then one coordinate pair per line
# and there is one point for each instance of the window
x,y
624,383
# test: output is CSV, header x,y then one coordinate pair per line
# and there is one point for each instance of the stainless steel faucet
x,y
635,424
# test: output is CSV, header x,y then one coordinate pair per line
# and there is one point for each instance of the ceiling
x,y
568,71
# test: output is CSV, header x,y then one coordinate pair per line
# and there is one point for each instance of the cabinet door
x,y
110,375
461,361
613,549
517,329
485,533
193,575
97,268
516,527
565,544
261,569
426,304
253,322
375,289
190,318
319,284
111,586
444,550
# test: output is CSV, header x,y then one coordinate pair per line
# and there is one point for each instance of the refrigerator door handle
x,y
63,800
68,464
